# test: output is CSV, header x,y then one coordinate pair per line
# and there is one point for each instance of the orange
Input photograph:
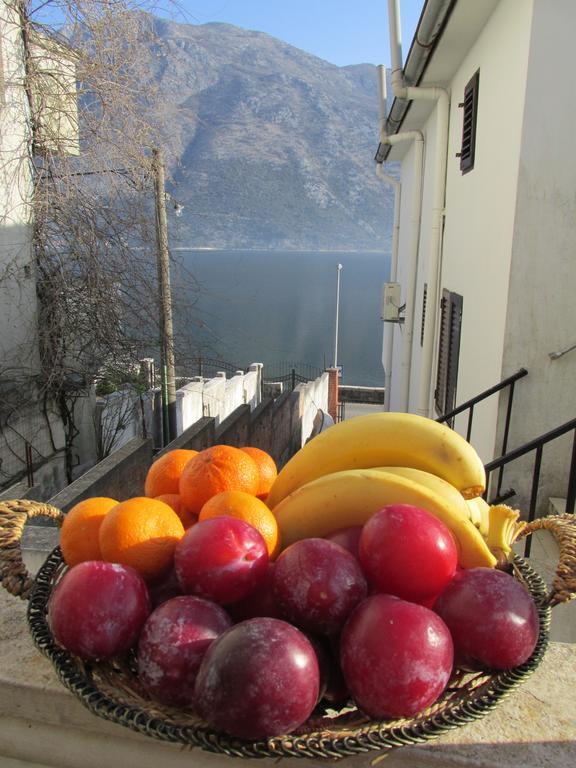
x,y
142,533
164,474
266,467
248,508
79,533
216,469
173,500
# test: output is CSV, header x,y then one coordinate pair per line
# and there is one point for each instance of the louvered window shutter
x,y
448,352
470,112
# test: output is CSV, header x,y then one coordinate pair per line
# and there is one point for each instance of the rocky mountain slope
x,y
268,146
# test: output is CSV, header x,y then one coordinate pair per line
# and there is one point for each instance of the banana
x,y
505,527
480,514
351,497
384,439
434,483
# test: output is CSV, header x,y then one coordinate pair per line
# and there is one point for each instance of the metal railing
x,y
536,446
509,382
289,373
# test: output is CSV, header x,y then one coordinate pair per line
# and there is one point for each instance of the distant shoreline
x,y
279,250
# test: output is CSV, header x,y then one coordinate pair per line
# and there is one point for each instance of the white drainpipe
x,y
440,95
415,218
388,332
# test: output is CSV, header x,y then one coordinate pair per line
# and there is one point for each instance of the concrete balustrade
x,y
42,725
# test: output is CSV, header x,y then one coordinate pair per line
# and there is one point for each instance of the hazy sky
x,y
340,31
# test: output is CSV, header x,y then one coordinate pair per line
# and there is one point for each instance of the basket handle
x,y
563,528
13,517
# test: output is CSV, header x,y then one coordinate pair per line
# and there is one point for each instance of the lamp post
x,y
338,270
167,370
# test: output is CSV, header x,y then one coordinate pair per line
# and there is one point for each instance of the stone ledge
x,y
43,724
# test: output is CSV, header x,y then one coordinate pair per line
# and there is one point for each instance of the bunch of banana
x,y
351,497
346,474
383,440
504,528
479,510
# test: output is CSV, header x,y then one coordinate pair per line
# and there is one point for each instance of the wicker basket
x,y
111,690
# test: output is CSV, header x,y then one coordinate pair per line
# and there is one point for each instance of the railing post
x,y
29,464
470,417
533,496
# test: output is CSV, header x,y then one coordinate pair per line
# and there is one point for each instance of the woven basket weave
x,y
111,690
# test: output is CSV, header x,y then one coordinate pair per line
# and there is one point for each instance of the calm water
x,y
256,306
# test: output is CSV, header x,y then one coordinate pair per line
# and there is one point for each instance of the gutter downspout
x,y
388,333
388,330
440,95
415,218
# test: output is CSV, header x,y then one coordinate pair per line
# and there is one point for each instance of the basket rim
x,y
315,743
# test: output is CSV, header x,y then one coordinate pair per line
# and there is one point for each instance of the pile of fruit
x,y
366,571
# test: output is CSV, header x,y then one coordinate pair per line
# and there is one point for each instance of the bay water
x,y
276,306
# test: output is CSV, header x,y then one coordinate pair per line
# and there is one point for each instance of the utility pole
x,y
167,371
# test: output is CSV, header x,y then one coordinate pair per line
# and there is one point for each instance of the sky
x,y
339,31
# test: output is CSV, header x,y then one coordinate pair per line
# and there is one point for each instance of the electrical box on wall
x,y
391,303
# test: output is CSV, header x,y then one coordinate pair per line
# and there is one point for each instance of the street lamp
x,y
338,270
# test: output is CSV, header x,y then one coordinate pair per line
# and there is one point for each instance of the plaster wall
x,y
18,345
313,396
479,215
540,315
480,205
189,405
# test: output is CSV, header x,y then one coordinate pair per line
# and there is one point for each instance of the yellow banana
x,y
480,514
434,483
384,439
505,527
351,497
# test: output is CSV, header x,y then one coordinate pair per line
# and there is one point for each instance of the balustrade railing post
x,y
470,417
533,496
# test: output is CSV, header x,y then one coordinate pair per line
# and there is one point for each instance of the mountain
x,y
268,146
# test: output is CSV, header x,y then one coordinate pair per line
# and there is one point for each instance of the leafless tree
x,y
88,146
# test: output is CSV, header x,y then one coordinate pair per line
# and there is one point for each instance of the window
x,y
470,110
448,352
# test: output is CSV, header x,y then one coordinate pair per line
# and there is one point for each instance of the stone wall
x,y
119,476
279,426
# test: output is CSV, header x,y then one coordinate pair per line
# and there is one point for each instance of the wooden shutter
x,y
448,352
470,112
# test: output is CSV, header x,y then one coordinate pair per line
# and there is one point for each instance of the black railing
x,y
290,373
469,405
536,446
209,367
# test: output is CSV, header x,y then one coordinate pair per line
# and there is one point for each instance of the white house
x,y
29,434
482,121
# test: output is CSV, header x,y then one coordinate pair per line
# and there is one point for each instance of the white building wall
x,y
541,315
480,205
18,340
397,380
